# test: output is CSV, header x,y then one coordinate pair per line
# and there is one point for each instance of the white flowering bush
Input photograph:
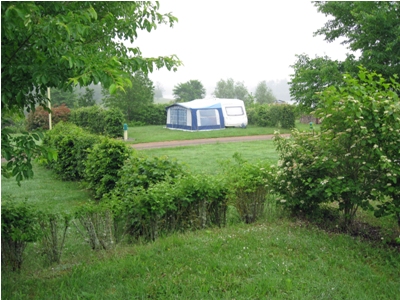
x,y
355,158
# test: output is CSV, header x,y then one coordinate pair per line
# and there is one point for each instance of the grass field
x,y
159,133
207,157
276,258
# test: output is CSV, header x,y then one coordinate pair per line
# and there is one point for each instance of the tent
x,y
206,114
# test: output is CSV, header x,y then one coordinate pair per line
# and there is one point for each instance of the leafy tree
x,y
134,98
264,94
312,76
87,98
230,90
59,97
191,90
371,27
58,45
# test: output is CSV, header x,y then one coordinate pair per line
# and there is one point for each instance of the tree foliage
x,y
59,97
371,27
311,76
230,89
58,45
87,98
264,94
187,91
140,94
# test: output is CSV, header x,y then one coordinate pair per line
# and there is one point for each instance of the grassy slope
x,y
279,260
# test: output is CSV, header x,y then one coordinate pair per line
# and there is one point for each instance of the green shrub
x,y
19,226
153,114
103,164
267,115
72,144
249,186
39,119
100,121
184,203
114,120
355,158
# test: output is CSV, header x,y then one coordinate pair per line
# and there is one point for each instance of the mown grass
x,y
280,260
277,258
159,133
208,158
45,191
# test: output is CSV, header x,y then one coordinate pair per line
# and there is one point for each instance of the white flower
x,y
376,146
347,154
340,177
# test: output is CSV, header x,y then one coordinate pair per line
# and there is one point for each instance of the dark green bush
x,y
98,120
72,144
184,203
103,164
267,115
153,114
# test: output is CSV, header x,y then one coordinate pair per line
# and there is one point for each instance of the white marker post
x,y
125,132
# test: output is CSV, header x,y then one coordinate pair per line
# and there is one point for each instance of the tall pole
x,y
49,102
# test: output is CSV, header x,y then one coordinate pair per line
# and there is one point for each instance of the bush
x,y
187,202
19,226
100,121
103,164
249,186
355,158
153,114
72,144
267,115
39,119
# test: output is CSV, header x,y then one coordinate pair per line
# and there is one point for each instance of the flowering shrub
x,y
355,158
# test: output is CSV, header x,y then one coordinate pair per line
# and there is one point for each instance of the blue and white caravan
x,y
207,114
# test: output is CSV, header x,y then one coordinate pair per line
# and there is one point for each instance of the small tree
x,y
264,94
191,90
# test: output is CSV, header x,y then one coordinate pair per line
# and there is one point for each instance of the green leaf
x,y
112,89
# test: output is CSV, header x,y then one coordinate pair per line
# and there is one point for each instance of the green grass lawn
x,y
280,260
206,157
277,258
159,133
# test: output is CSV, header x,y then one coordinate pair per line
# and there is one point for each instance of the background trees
x,y
230,89
51,44
187,91
371,27
264,94
140,94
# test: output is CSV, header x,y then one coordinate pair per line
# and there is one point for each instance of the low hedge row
x,y
96,120
267,115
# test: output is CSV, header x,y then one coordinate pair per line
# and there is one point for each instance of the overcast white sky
x,y
248,41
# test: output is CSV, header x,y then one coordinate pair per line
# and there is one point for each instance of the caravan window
x,y
234,111
178,116
208,117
